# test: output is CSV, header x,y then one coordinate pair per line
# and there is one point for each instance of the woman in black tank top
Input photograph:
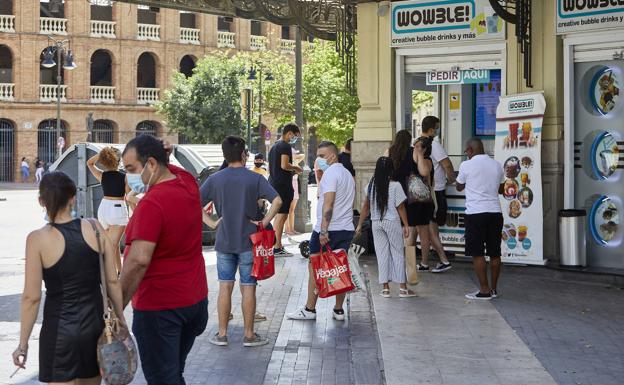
x,y
112,211
64,255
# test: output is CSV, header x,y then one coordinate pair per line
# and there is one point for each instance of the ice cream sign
x,y
584,15
458,77
431,21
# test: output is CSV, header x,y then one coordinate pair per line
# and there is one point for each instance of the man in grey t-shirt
x,y
235,192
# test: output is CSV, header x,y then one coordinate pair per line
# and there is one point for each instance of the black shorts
x,y
287,193
420,214
337,240
484,234
440,214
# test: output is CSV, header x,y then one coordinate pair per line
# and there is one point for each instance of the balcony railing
x,y
7,23
287,46
52,26
102,94
103,29
6,91
148,32
148,95
189,35
47,92
258,43
226,39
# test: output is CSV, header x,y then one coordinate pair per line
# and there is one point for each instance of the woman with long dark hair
x,y
411,161
385,200
64,255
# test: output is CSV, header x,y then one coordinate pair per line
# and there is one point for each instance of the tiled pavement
x,y
571,328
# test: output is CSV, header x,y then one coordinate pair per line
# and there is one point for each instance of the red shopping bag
x,y
331,272
263,259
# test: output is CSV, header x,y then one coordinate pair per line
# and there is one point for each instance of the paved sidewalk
x,y
442,338
324,351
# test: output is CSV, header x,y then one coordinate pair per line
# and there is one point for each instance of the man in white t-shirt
x,y
334,222
483,179
443,173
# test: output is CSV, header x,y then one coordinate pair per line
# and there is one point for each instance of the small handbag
x,y
418,191
116,350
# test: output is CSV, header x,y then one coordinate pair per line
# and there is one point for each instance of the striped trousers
x,y
388,236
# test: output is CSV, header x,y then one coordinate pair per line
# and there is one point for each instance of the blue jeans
x,y
228,263
337,240
165,339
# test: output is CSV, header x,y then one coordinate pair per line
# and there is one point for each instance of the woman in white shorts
x,y
113,211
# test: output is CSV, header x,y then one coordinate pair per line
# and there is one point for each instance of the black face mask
x,y
258,164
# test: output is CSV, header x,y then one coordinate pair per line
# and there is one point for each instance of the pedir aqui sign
x,y
458,77
420,22
587,15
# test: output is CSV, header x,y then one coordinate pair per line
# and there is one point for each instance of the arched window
x,y
146,71
103,131
47,138
101,68
147,127
7,147
6,73
186,65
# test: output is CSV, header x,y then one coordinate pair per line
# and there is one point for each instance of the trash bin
x,y
572,237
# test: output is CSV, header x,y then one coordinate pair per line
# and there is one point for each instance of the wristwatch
x,y
323,232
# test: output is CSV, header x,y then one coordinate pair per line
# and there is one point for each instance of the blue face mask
x,y
294,139
135,182
74,213
322,163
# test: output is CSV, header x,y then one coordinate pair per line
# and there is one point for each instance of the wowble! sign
x,y
427,21
586,15
458,77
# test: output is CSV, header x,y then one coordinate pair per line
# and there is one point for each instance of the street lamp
x,y
252,76
68,64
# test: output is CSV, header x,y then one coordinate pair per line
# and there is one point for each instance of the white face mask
x,y
135,181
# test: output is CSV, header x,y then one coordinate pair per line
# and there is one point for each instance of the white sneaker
x,y
302,314
338,316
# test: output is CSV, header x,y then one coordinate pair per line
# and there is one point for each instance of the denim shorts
x,y
227,263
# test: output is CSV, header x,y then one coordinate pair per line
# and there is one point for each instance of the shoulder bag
x,y
418,191
116,350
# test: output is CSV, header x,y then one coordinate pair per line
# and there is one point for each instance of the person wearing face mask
x,y
281,170
334,222
164,271
443,174
259,165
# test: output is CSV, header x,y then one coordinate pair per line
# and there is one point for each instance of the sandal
x,y
385,293
407,293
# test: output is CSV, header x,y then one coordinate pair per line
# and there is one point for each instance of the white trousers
x,y
388,236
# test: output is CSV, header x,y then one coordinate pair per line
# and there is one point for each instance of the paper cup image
x,y
522,232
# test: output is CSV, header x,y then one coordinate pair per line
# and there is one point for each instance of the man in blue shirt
x,y
235,192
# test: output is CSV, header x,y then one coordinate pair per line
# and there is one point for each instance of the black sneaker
x,y
442,267
479,295
494,294
281,252
422,268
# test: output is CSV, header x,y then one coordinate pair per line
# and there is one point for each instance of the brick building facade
x,y
124,54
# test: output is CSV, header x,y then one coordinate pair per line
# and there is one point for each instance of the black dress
x,y
418,214
72,314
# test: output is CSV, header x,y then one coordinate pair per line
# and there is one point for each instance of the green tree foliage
x,y
206,106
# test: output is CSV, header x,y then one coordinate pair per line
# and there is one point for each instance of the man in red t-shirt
x,y
164,271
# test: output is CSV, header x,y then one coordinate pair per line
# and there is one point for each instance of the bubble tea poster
x,y
518,148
